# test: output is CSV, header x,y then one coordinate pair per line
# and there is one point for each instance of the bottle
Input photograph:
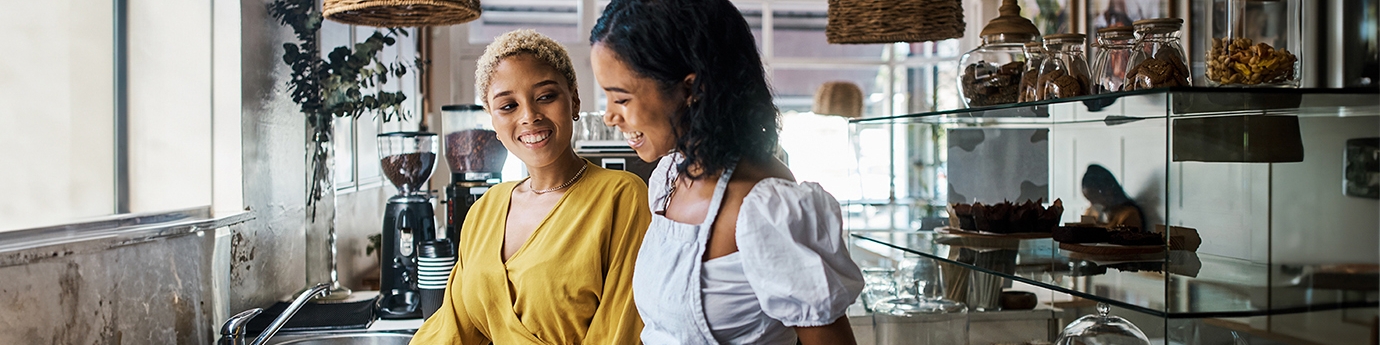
x,y
1113,51
1157,57
1254,43
1034,57
1065,72
991,73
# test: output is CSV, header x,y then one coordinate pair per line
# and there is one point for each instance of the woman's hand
x,y
838,332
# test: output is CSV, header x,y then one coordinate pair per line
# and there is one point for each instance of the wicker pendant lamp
x,y
839,98
401,13
887,21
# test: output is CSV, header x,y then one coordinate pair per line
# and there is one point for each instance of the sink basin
x,y
358,338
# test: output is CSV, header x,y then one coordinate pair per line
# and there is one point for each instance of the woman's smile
x,y
634,138
535,139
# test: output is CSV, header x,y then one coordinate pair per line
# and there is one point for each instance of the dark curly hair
x,y
731,115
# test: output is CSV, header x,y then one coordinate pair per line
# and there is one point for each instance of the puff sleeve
x,y
794,253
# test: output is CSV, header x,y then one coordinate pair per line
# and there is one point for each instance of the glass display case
x,y
1262,206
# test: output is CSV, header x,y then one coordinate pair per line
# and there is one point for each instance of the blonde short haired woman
x,y
547,259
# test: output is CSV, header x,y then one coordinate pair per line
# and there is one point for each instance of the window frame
x,y
218,181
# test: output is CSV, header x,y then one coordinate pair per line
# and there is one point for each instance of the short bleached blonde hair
x,y
522,41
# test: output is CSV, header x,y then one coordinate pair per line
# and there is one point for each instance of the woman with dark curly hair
x,y
737,251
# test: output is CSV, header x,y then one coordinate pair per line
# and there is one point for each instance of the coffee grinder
x,y
407,159
475,158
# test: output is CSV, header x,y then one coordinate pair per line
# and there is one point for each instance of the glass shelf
x,y
1119,107
1177,284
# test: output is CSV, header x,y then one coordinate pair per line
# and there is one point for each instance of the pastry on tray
x,y
1006,217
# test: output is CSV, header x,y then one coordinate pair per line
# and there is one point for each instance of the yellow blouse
x,y
571,283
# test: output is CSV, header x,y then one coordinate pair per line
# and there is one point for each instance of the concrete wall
x,y
128,284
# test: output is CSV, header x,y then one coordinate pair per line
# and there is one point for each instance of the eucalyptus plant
x,y
343,84
336,84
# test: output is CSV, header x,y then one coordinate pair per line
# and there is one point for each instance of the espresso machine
x,y
475,158
407,159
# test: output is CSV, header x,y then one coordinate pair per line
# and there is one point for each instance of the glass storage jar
x,y
991,73
1157,58
1254,43
1102,328
1065,73
1113,51
1034,57
1045,65
878,284
920,314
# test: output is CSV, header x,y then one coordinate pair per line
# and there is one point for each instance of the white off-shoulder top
x,y
792,267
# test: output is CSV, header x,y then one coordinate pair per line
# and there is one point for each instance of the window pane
x,y
408,83
344,141
558,19
368,126
927,88
917,50
795,87
799,32
169,105
819,150
57,104
367,151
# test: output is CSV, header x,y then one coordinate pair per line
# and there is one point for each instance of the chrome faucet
x,y
232,332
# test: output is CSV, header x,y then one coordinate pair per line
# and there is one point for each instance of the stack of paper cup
x,y
434,263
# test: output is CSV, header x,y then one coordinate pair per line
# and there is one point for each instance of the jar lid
x,y
1116,33
1010,22
1065,37
1175,21
1111,29
1158,25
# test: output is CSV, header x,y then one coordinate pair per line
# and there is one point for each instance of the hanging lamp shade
x,y
839,98
401,13
887,21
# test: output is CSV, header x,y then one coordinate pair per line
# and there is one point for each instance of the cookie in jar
x,y
1157,59
1065,72
991,73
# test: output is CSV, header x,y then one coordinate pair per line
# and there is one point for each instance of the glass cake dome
x,y
1101,329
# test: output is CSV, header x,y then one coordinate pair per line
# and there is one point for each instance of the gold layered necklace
x,y
560,187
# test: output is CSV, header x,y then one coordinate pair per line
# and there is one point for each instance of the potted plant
x,y
345,83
